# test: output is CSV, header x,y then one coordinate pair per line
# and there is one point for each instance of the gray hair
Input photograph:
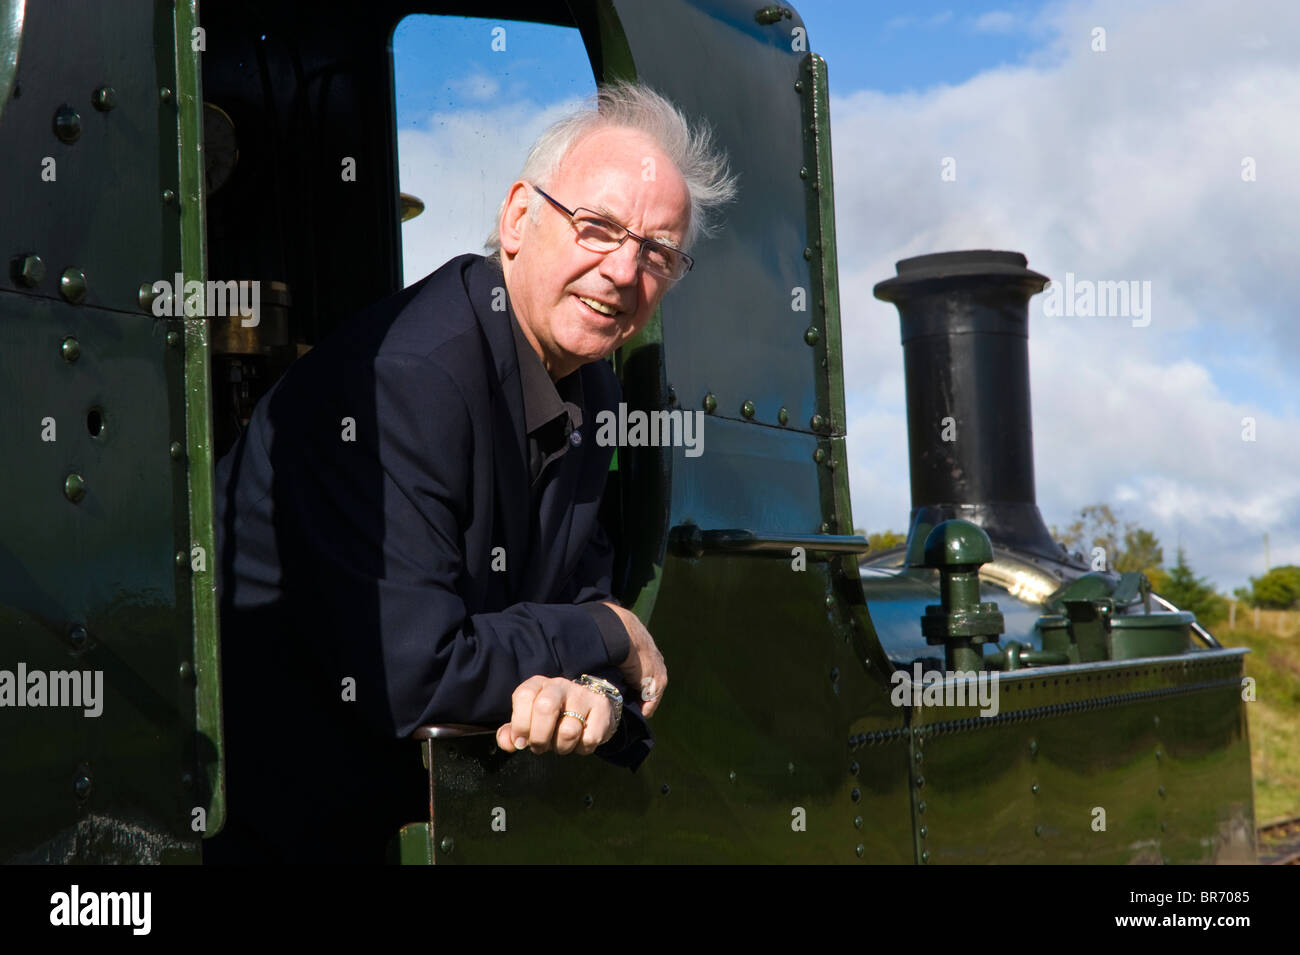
x,y
631,106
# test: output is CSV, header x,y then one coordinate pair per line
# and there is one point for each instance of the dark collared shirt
x,y
552,417
552,410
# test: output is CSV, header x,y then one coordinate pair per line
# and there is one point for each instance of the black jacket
x,y
358,519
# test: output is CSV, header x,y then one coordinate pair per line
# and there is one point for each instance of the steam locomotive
x,y
976,695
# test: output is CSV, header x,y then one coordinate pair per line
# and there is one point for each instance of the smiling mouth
x,y
600,308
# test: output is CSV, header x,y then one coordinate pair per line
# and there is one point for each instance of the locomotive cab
x,y
241,142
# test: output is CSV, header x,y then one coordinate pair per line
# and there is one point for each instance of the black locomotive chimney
x,y
965,325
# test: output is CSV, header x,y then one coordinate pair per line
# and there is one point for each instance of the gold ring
x,y
581,719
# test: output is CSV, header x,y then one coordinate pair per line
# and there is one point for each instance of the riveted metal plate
x,y
109,178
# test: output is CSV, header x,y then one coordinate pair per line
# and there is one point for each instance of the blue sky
x,y
888,47
1120,164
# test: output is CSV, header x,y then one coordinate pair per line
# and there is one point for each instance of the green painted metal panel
x,y
100,584
1160,746
198,418
768,711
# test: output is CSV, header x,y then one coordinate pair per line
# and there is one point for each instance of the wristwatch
x,y
605,688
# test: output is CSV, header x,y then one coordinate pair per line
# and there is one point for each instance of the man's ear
x,y
512,226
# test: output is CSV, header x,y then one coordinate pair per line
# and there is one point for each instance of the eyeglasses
x,y
599,234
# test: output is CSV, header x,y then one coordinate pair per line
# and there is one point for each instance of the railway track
x,y
1279,842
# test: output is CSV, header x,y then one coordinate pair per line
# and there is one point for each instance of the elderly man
x,y
409,525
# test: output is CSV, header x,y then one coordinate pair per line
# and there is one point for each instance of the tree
x,y
882,540
1188,592
1124,548
1279,589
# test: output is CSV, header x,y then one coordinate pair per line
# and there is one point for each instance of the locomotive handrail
x,y
688,540
449,731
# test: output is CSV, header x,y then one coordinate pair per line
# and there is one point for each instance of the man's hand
x,y
539,719
643,670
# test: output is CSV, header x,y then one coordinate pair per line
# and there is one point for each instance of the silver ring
x,y
581,719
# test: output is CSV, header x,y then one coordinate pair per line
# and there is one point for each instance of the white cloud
x,y
479,88
1123,165
997,21
905,22
461,163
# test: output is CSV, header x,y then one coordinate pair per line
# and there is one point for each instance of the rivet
x,y
72,285
1157,720
185,670
920,782
672,395
813,335
1163,826
447,844
819,455
835,674
145,296
31,271
854,768
783,416
74,488
798,86
803,172
747,409
856,794
919,755
587,801
789,768
168,195
817,422
77,636
710,402
924,832
1159,754
807,254
1034,789
81,786
165,94
825,527
1038,830
925,855
731,776
104,98
857,822
664,789
173,338
67,124
1033,747
920,808
180,558
575,438
176,450
816,187
1161,791
830,602
187,780
861,850
70,349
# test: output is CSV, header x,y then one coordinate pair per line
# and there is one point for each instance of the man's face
x,y
622,175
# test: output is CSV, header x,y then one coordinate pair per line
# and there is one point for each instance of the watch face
x,y
220,148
